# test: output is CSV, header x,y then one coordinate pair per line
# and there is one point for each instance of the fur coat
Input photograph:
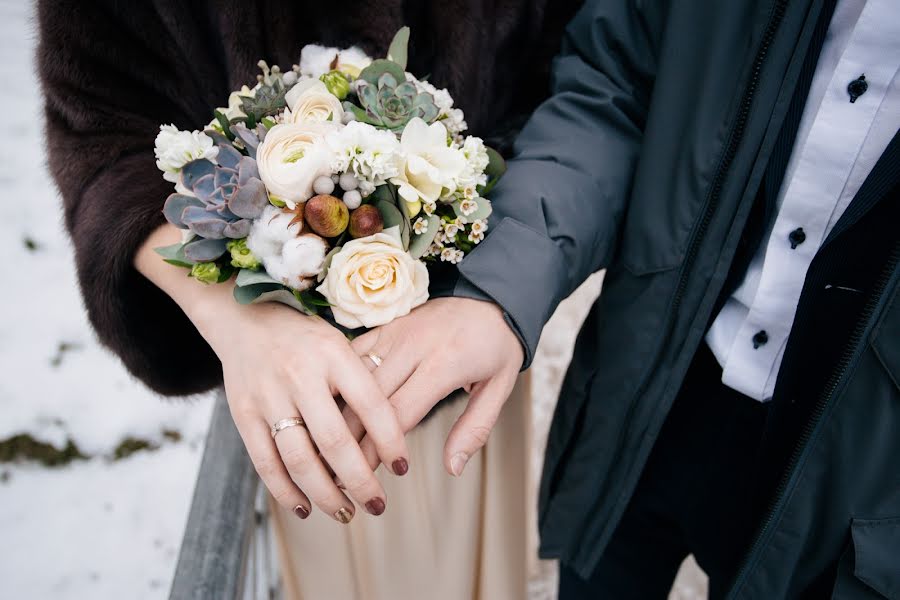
x,y
112,72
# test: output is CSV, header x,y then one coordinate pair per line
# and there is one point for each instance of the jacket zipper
x,y
735,136
851,351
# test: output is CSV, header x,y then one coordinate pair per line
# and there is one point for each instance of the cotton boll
x,y
316,60
348,182
270,232
352,199
303,256
323,185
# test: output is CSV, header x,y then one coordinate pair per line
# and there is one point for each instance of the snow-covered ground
x,y
101,528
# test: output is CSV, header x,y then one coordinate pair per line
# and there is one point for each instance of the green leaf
x,y
225,125
495,170
420,243
174,255
249,277
483,211
266,292
379,67
392,217
314,299
398,49
326,264
225,272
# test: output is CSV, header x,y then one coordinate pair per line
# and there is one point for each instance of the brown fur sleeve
x,y
111,74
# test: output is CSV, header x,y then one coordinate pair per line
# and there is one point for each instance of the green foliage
x,y
397,52
495,170
174,255
420,243
392,217
483,212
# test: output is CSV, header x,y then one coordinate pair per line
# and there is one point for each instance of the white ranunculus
x,y
292,157
427,163
372,281
289,256
310,100
317,60
370,154
175,148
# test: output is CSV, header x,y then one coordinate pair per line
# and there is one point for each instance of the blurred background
x,y
97,472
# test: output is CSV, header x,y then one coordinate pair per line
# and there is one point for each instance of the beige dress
x,y
441,538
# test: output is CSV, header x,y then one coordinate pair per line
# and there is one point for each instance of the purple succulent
x,y
227,196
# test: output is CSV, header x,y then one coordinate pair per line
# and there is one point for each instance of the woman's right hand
x,y
278,364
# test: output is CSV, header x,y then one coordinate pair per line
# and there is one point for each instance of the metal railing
x,y
227,552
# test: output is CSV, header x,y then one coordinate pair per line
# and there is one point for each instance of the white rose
x,y
373,281
291,157
174,149
428,164
310,100
289,256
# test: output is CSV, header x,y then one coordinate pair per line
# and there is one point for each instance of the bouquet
x,y
333,187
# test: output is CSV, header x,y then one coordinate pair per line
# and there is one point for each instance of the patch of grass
x,y
130,445
24,447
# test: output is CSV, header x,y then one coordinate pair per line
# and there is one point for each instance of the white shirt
x,y
837,144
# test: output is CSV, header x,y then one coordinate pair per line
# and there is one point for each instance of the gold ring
x,y
375,359
285,423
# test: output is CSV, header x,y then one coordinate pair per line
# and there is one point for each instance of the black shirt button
x,y
797,237
857,87
760,339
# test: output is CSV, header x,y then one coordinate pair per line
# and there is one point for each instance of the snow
x,y
99,528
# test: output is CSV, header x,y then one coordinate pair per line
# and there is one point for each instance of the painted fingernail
x,y
375,506
301,511
400,466
458,463
342,515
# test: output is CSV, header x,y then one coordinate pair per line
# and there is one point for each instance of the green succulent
x,y
206,272
392,104
241,256
337,84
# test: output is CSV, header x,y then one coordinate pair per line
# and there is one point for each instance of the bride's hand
x,y
279,364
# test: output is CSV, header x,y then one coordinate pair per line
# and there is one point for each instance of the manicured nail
x,y
400,466
458,463
375,506
343,515
301,511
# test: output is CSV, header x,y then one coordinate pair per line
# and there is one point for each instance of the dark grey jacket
x,y
646,161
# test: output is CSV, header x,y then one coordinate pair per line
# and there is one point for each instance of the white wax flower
x,y
472,175
427,164
373,281
452,118
175,148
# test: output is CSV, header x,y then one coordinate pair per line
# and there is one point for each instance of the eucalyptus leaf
x,y
392,217
326,264
249,277
174,255
483,211
266,292
420,243
397,52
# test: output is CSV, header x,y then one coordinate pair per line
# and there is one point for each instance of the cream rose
x,y
290,159
428,164
373,281
310,100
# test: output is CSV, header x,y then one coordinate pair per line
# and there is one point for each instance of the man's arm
x,y
558,209
556,218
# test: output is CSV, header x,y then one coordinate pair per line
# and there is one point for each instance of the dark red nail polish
x,y
375,506
400,466
301,511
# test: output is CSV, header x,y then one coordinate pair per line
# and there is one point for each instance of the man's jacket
x,y
648,161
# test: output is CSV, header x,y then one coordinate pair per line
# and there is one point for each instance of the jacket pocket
x,y
870,567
